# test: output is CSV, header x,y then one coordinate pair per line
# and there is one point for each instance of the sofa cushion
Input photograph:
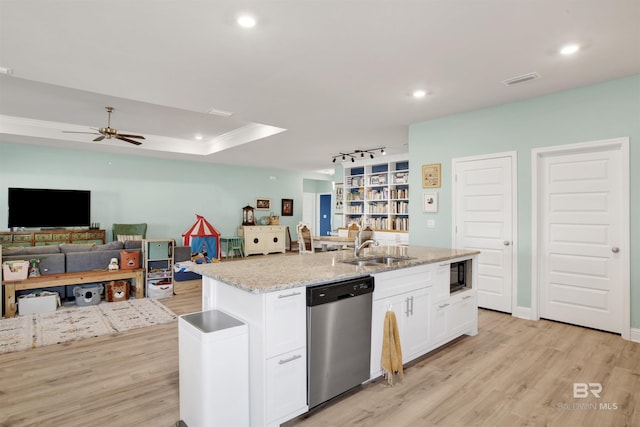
x,y
109,246
93,260
182,253
31,250
133,244
49,263
66,248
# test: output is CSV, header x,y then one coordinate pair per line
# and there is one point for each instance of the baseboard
x,y
523,313
635,335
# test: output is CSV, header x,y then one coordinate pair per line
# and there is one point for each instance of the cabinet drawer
x,y
286,385
5,238
79,235
22,237
405,280
96,235
285,321
38,237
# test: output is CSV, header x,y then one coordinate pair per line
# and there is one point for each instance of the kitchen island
x,y
268,293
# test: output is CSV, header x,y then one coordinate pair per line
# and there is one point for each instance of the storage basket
x,y
129,260
273,219
88,295
117,290
15,270
35,303
158,289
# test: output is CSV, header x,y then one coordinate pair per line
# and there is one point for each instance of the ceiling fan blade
x,y
90,133
131,141
131,136
100,138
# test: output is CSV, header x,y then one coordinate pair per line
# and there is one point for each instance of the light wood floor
x,y
513,373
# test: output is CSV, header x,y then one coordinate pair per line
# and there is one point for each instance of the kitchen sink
x,y
376,261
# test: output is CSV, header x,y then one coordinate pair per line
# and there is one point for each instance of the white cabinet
x,y
285,348
287,321
286,386
264,239
277,347
453,317
427,314
407,293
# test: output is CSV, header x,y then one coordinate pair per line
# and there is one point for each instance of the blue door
x,y
325,214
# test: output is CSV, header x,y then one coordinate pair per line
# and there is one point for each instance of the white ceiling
x,y
335,74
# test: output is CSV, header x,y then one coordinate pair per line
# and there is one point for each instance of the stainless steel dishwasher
x,y
338,337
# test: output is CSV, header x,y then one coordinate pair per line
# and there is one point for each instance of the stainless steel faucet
x,y
357,247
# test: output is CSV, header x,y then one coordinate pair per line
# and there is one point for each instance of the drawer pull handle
x,y
443,305
291,359
293,294
466,297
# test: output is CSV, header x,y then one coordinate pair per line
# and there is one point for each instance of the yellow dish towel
x,y
391,349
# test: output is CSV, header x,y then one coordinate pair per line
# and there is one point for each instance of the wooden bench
x,y
63,279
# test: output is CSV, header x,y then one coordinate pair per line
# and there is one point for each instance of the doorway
x,y
484,219
324,214
580,267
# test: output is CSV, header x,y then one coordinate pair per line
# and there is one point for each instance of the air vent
x,y
521,79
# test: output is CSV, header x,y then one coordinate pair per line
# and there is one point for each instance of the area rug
x,y
75,323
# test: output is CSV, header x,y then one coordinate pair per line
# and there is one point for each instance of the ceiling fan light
x,y
334,160
371,154
353,160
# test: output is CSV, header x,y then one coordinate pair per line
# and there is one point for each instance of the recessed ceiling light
x,y
247,21
570,49
198,137
420,93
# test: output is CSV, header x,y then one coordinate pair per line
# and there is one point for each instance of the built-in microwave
x,y
460,276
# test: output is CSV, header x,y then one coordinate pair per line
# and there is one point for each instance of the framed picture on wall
x,y
339,198
263,204
287,207
430,202
431,175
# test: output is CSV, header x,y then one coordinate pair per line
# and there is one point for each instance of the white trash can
x,y
214,370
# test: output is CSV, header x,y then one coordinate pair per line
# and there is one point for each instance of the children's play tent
x,y
203,235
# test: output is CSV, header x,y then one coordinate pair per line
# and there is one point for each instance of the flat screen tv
x,y
45,208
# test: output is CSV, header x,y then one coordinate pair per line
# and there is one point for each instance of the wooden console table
x,y
63,279
51,237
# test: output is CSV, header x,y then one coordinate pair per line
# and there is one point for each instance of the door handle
x,y
412,306
293,294
291,359
615,249
506,243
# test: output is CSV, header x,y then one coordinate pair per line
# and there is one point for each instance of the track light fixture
x,y
353,154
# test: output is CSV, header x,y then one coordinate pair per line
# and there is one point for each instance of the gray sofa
x,y
70,258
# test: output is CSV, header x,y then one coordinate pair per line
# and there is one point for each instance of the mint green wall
x,y
166,194
602,111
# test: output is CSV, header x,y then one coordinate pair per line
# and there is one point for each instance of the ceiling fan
x,y
109,132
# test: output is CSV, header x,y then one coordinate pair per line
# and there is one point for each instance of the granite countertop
x,y
260,273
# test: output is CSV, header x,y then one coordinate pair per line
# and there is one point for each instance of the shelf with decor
x,y
158,260
376,194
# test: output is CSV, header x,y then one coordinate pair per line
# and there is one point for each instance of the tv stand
x,y
51,237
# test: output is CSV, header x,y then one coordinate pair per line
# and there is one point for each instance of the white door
x,y
581,213
484,218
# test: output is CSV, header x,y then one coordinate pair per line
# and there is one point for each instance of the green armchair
x,y
129,231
